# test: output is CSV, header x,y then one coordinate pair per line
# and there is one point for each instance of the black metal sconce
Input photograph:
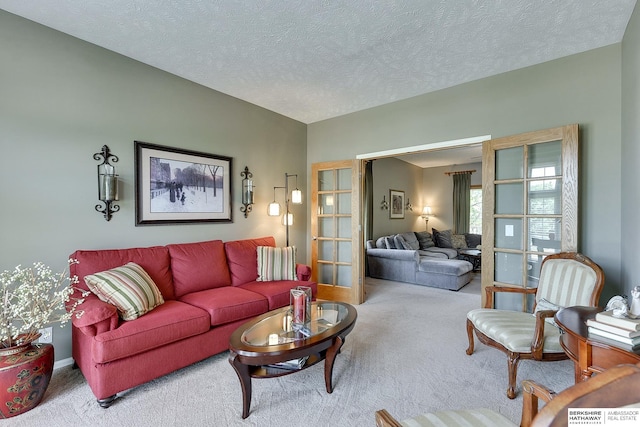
x,y
107,183
384,204
408,206
247,191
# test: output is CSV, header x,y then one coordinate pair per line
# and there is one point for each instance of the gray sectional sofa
x,y
414,257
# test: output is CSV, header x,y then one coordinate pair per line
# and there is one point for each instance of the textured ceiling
x,y
316,59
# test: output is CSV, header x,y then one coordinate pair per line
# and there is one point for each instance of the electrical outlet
x,y
46,336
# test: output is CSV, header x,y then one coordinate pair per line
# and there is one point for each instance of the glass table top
x,y
277,328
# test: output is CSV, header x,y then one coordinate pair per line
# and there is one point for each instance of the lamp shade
x,y
296,196
287,219
426,211
274,209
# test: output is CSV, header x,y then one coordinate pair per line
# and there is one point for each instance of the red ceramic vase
x,y
25,372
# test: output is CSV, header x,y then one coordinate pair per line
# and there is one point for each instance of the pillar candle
x,y
273,339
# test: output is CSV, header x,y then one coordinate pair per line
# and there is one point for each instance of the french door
x,y
336,227
530,207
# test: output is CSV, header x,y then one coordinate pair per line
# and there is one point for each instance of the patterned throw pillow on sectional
x,y
389,240
276,263
458,241
129,288
442,238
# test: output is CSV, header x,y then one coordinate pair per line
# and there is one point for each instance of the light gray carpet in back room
x,y
406,354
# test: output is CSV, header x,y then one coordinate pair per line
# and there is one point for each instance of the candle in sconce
x,y
108,184
110,187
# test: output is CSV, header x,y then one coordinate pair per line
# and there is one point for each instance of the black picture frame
x,y
177,186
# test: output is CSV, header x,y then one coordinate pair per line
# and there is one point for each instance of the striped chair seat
x,y
513,329
461,418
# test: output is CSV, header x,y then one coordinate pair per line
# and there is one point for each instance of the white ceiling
x,y
316,59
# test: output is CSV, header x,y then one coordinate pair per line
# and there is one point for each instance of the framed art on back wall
x,y
175,186
396,210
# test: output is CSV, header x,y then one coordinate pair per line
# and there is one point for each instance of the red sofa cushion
x,y
154,260
277,292
228,304
198,266
242,258
170,322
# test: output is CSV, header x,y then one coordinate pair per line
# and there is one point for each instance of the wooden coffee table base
x,y
248,367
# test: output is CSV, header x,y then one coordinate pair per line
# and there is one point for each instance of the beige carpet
x,y
406,354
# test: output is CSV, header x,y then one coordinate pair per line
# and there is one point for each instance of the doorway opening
x,y
421,175
417,172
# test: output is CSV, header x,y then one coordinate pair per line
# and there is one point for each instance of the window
x,y
475,210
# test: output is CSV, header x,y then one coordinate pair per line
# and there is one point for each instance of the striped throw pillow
x,y
129,288
276,263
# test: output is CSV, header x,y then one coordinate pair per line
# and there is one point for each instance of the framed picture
x,y
396,199
180,186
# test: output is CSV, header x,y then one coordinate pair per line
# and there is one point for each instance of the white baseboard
x,y
62,363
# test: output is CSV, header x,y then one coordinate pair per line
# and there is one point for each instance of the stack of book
x,y
623,331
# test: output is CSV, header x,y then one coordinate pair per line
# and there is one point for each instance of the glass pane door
x,y
335,224
530,208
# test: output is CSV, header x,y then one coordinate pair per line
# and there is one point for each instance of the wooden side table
x,y
589,354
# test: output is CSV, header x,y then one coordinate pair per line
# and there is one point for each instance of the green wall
x,y
394,174
583,89
631,152
62,99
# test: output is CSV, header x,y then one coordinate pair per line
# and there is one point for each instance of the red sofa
x,y
209,289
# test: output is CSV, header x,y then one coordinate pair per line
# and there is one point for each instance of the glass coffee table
x,y
268,347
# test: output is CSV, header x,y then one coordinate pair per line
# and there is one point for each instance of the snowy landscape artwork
x,y
175,185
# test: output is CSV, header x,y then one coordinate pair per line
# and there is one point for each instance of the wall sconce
x,y
426,211
247,191
384,205
107,183
408,206
296,198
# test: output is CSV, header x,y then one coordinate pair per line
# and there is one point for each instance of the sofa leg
x,y
107,401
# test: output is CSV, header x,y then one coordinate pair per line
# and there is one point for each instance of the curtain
x,y
368,206
461,202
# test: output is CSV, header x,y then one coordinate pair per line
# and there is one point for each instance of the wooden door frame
x,y
570,206
354,294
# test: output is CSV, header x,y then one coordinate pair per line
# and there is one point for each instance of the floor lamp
x,y
426,211
295,198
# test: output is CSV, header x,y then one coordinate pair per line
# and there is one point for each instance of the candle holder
x,y
300,301
107,183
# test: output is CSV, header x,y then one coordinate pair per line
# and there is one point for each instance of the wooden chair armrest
x,y
384,419
532,393
491,290
537,343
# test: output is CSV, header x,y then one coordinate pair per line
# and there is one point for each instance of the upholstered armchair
x,y
614,388
566,279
